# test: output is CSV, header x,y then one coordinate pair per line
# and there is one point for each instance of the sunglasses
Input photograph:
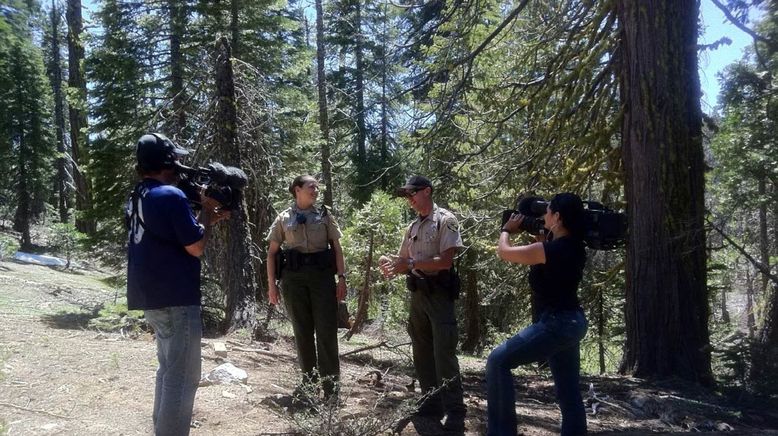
x,y
412,193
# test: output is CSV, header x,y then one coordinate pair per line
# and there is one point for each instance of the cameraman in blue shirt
x,y
166,241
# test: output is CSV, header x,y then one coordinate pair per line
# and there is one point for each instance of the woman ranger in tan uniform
x,y
312,255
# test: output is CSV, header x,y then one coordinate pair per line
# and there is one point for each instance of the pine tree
x,y
120,112
64,180
27,134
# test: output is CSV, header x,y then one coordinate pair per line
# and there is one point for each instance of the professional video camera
x,y
222,183
605,229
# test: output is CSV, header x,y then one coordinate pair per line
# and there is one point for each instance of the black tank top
x,y
555,283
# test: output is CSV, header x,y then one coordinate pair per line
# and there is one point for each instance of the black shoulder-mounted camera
x,y
605,229
222,183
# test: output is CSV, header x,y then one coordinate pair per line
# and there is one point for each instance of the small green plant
x,y
3,427
114,361
117,318
8,246
67,239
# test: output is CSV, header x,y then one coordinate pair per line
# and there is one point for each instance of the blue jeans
x,y
178,331
556,337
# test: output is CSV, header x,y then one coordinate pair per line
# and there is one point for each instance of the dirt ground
x,y
59,377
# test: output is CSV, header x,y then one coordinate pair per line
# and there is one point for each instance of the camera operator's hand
x,y
273,295
214,210
513,225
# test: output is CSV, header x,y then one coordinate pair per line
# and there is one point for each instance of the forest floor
x,y
58,376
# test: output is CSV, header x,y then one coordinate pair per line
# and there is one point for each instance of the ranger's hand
x,y
341,289
273,294
385,263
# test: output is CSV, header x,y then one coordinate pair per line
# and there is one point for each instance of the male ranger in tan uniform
x,y
426,256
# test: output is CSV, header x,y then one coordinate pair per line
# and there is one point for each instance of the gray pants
x,y
310,301
433,330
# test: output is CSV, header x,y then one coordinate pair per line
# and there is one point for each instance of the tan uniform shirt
x,y
425,239
309,237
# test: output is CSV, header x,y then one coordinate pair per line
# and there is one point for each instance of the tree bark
x,y
764,242
77,115
661,133
239,279
750,319
324,124
384,101
63,198
23,214
235,27
764,363
472,308
178,21
359,77
364,296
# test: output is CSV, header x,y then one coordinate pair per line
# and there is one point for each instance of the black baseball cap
x,y
156,152
414,183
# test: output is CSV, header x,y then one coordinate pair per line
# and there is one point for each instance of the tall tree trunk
x,y
384,102
472,308
77,115
59,115
178,21
667,299
764,241
750,319
364,296
324,123
23,214
764,363
601,349
237,268
235,27
724,310
359,77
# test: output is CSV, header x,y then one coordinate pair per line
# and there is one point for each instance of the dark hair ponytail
x,y
298,182
571,210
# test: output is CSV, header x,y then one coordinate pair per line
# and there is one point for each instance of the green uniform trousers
x,y
433,330
310,301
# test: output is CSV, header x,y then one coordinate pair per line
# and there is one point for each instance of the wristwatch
x,y
411,264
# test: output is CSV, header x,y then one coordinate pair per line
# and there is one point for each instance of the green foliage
x,y
120,83
8,246
382,220
26,135
117,318
743,198
732,356
67,240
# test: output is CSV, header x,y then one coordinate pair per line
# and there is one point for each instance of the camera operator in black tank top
x,y
556,268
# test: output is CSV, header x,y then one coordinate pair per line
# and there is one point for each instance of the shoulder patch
x,y
452,225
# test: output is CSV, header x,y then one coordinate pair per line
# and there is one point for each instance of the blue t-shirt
x,y
160,272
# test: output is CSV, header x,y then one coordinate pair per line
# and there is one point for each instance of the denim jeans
x,y
178,331
555,337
